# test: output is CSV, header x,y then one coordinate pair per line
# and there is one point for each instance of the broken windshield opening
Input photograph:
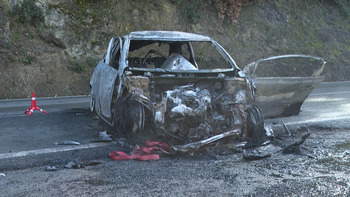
x,y
175,56
208,58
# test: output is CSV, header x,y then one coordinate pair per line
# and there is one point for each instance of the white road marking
x,y
54,150
12,116
318,119
327,93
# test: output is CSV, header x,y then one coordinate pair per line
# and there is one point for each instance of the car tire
x,y
255,125
135,116
128,117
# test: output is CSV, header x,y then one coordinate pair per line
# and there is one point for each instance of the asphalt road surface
x,y
28,141
27,146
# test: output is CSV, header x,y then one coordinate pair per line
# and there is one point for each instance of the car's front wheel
x,y
128,116
255,125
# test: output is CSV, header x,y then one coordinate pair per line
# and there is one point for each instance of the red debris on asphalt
x,y
142,153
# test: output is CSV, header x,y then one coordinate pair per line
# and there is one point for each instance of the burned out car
x,y
182,87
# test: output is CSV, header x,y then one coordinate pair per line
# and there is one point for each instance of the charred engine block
x,y
188,114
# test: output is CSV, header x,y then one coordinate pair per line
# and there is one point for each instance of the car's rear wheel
x,y
255,125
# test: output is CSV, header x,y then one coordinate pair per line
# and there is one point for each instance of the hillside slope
x,y
51,47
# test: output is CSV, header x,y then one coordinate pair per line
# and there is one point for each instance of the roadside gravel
x,y
321,168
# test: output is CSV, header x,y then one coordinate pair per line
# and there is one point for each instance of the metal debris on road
x,y
51,168
73,165
2,174
68,142
260,152
269,132
255,154
294,148
285,127
103,137
69,165
192,147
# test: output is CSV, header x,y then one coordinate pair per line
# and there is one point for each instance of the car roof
x,y
167,36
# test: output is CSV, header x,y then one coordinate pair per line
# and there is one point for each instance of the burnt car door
x,y
103,79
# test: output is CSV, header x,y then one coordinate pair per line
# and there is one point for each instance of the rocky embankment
x,y
51,47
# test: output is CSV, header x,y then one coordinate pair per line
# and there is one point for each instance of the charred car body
x,y
155,80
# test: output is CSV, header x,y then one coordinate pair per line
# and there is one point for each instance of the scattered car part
x,y
73,165
67,143
269,132
51,168
295,147
286,128
255,154
70,165
103,137
261,152
195,146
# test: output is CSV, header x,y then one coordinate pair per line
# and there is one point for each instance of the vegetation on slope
x,y
51,47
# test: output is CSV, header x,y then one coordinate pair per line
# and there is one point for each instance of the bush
x,y
92,62
76,66
344,5
28,12
191,11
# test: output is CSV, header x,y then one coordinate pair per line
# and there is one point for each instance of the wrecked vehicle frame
x,y
154,79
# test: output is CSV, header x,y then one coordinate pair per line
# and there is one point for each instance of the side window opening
x,y
115,55
185,52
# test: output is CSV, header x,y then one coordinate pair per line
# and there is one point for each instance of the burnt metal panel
x,y
102,83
